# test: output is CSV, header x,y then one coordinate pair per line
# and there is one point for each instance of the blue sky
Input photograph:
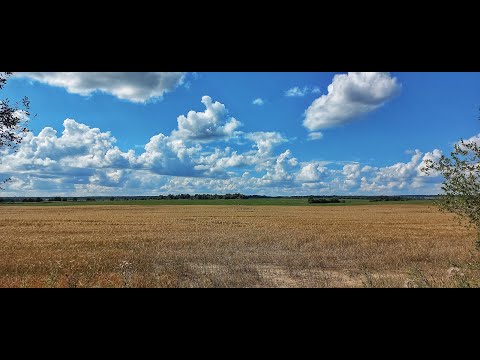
x,y
256,133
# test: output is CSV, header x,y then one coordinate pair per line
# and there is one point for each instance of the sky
x,y
153,133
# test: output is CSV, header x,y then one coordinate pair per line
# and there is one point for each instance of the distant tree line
x,y
38,199
388,198
202,197
31,200
358,197
333,200
313,199
126,198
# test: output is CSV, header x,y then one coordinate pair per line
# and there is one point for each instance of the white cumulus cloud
x,y
311,172
210,125
132,86
474,139
316,135
350,96
258,101
81,160
297,91
265,142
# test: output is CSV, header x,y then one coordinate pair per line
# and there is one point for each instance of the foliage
x,y
461,185
312,200
387,198
202,197
13,119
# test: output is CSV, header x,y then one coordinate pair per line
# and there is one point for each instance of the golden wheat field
x,y
231,246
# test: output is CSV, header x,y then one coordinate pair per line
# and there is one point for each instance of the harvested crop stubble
x,y
228,246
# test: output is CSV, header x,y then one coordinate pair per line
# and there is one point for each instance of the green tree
x,y
461,184
13,120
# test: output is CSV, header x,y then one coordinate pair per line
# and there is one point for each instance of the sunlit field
x,y
392,245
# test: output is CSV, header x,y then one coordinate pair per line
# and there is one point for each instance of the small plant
x,y
325,279
466,275
369,281
52,278
127,271
418,279
73,279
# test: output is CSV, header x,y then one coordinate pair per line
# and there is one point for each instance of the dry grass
x,y
231,246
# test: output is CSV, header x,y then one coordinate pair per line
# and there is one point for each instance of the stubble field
x,y
231,246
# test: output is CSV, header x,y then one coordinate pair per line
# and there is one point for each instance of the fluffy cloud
x,y
317,135
400,177
354,178
288,177
297,91
350,96
219,161
85,159
84,155
260,158
210,125
132,86
79,146
311,172
281,172
283,175
82,160
258,101
265,142
166,156
351,173
475,139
